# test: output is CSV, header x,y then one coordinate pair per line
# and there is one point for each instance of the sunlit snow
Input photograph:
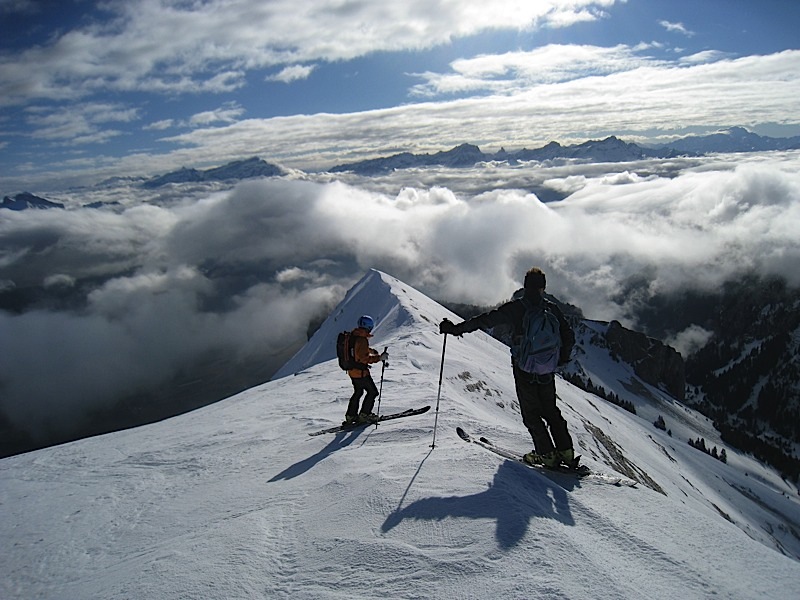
x,y
235,500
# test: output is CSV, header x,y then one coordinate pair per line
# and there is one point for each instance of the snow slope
x,y
235,500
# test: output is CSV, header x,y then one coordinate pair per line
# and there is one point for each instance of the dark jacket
x,y
512,313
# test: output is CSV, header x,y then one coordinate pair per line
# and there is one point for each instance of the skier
x,y
536,391
360,376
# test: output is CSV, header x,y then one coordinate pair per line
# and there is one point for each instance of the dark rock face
x,y
653,361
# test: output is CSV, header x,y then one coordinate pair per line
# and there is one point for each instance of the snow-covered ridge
x,y
394,306
236,500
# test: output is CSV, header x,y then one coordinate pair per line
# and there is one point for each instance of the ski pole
x,y
439,394
380,390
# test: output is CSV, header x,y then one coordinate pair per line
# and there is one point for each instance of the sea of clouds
x,y
129,295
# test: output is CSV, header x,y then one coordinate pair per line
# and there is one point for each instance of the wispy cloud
x,y
292,73
566,17
160,125
705,56
20,6
210,46
676,28
516,71
81,124
229,113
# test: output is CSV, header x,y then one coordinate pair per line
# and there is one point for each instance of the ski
x,y
582,472
406,413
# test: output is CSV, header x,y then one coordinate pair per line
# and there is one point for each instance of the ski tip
x,y
462,434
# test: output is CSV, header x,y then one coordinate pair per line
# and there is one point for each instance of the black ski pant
x,y
537,403
361,385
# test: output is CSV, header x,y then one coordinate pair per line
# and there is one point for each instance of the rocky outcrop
x,y
653,361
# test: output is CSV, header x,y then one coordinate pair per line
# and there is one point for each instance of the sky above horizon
x,y
95,89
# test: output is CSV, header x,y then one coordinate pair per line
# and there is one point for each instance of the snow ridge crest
x,y
392,304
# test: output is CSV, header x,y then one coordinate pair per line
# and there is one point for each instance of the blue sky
x,y
90,90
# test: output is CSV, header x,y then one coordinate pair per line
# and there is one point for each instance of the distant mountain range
x,y
610,149
241,169
734,139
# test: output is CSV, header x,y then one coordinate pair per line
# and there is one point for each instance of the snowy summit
x,y
236,500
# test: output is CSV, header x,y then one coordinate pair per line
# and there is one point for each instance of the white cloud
x,y
243,271
519,71
688,341
59,280
705,56
160,125
81,124
229,113
676,28
567,18
292,73
209,46
96,137
295,275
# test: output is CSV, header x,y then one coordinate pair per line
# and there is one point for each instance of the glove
x,y
384,356
447,326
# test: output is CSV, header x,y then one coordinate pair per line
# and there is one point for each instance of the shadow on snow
x,y
512,499
341,440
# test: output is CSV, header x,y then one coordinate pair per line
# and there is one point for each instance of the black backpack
x,y
345,351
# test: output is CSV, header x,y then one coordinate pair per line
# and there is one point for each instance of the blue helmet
x,y
366,322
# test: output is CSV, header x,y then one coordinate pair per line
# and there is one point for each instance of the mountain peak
x,y
465,148
26,200
387,300
239,169
737,132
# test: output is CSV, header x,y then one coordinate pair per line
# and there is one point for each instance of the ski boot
x,y
350,421
367,418
569,459
551,460
532,458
